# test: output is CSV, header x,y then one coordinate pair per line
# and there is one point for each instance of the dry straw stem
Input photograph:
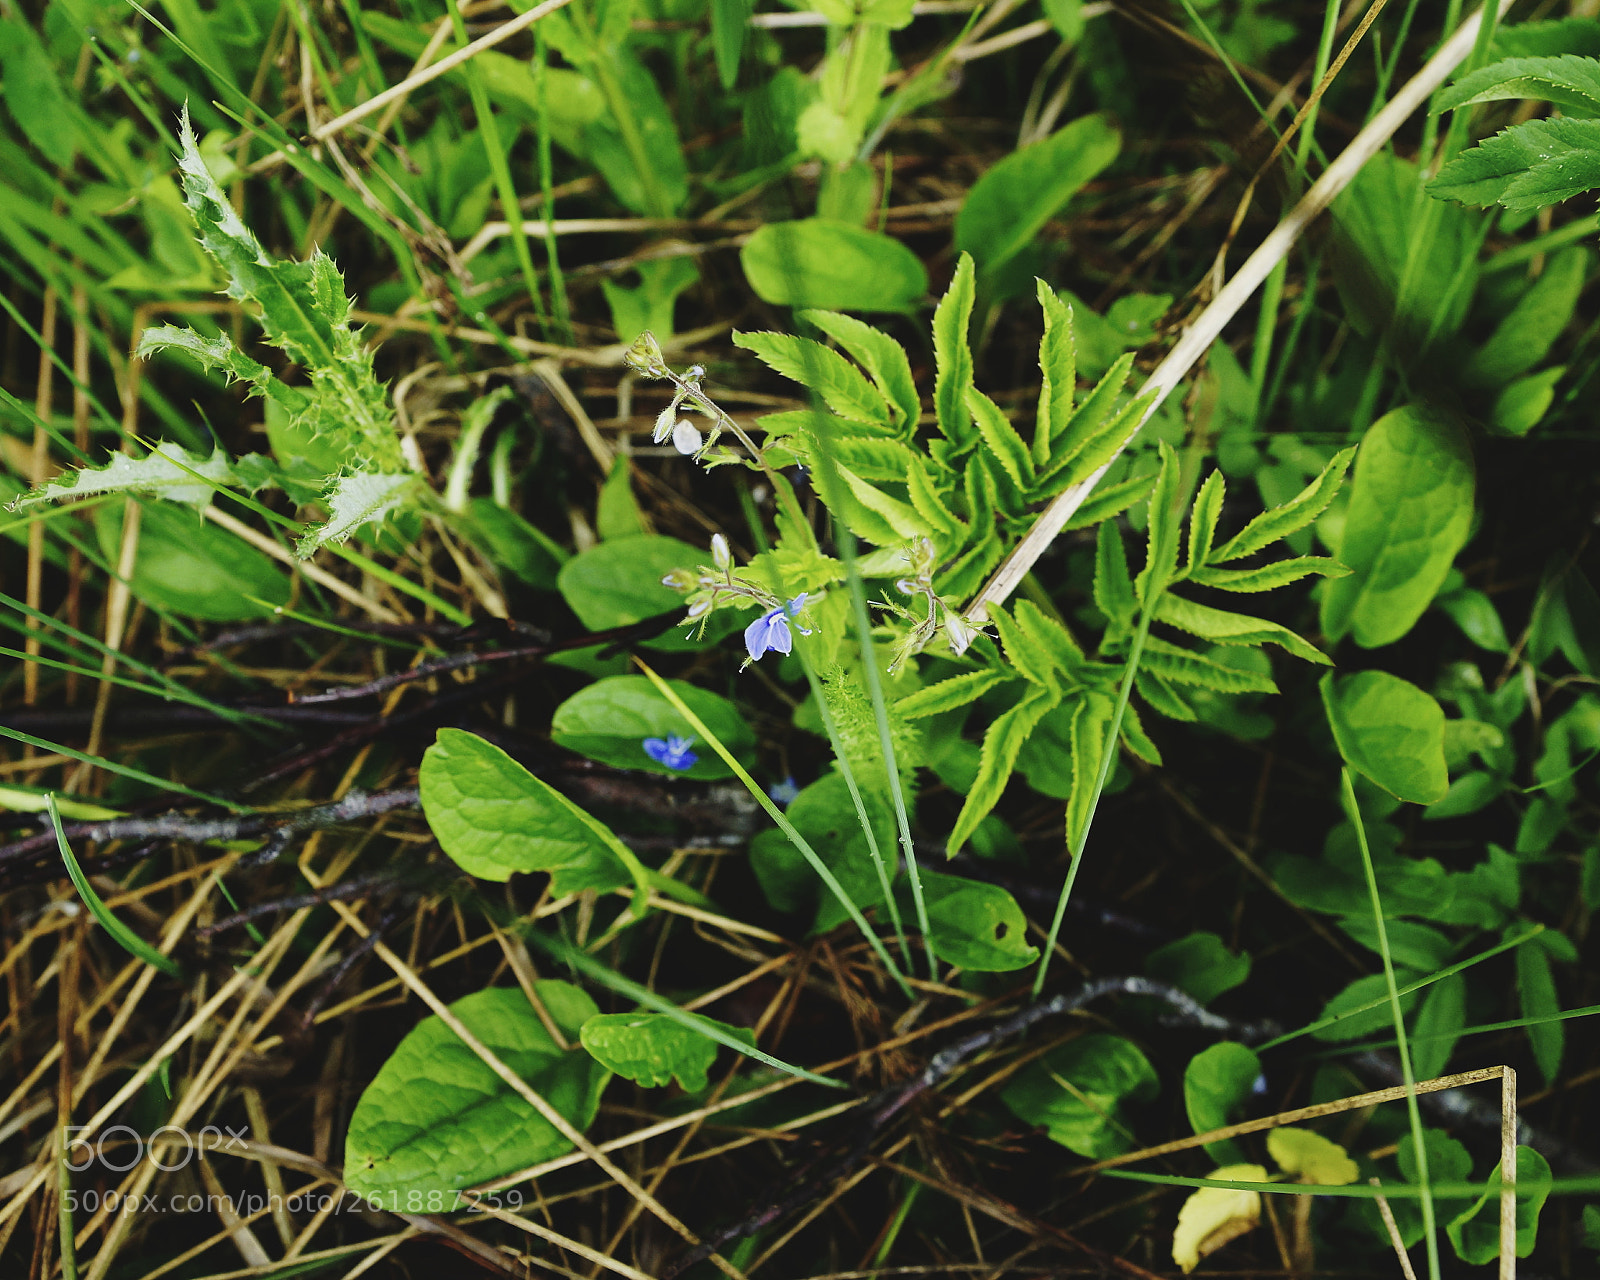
x,y
1508,1139
1198,338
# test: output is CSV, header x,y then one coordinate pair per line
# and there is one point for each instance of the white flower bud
x,y
665,421
721,556
685,439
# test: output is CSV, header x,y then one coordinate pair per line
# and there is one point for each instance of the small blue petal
x,y
797,604
768,634
672,752
783,793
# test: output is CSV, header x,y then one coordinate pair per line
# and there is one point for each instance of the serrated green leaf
x,y
1290,517
1032,661
1180,666
843,387
1058,371
1411,506
947,695
1113,585
168,471
1390,731
1003,440
219,355
437,1119
1091,418
1048,637
1203,520
1568,81
1010,204
882,357
997,759
1216,1084
1232,628
1161,531
891,520
967,573
952,356
494,818
652,1049
362,497
1527,166
925,497
1162,697
1108,501
1091,723
1270,576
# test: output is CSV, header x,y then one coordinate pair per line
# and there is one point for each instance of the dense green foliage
x,y
727,663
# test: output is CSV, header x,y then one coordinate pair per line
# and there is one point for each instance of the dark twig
x,y
615,636
342,970
360,887
181,826
873,1116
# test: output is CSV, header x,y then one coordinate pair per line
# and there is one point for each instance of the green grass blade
x,y
1430,1230
582,962
121,770
788,828
123,936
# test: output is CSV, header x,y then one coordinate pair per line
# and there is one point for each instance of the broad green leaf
x,y
652,304
1475,1234
840,384
1216,1084
494,818
1232,628
1370,990
1522,405
1214,1216
618,582
44,112
1058,371
881,356
1078,1091
1309,1157
437,1119
1389,731
1438,1026
1537,998
825,816
652,1049
1001,743
610,720
1477,617
832,266
1289,518
1530,328
975,925
1200,965
1448,1161
1546,39
1410,512
1570,82
168,471
1416,946
947,695
952,356
188,566
1525,167
1011,203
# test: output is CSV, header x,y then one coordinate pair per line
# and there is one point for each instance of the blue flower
x,y
672,752
770,632
783,793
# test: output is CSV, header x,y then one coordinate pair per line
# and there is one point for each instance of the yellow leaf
x,y
1212,1216
1309,1157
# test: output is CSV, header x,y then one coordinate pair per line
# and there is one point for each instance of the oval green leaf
x,y
437,1119
1216,1084
493,818
1389,731
618,582
834,266
653,1049
1200,965
976,925
1411,506
610,720
1105,1072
